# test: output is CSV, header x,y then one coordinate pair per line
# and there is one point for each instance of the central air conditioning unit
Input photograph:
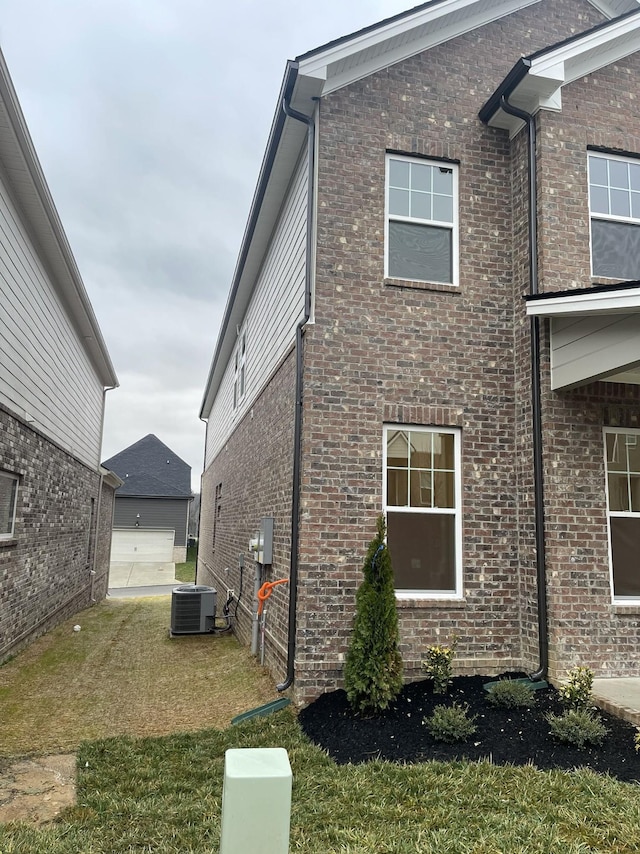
x,y
193,609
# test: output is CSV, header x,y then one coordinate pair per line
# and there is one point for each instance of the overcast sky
x,y
150,119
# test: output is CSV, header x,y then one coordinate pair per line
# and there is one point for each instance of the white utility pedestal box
x,y
256,801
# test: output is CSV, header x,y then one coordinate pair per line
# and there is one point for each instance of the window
x,y
623,497
8,495
239,370
422,220
217,512
422,504
614,204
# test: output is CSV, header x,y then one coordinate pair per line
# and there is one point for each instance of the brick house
x,y
151,517
56,501
435,315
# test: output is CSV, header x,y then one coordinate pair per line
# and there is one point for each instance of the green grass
x,y
187,571
163,795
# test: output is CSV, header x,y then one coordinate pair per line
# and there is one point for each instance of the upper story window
x,y
240,365
8,495
422,485
623,504
422,220
614,204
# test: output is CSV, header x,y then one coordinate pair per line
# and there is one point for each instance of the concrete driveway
x,y
123,574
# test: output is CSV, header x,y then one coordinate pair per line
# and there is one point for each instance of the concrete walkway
x,y
619,696
127,580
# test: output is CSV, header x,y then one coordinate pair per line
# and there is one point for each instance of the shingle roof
x,y
150,469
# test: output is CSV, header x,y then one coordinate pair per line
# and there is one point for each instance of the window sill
x,y
422,286
428,603
5,543
630,610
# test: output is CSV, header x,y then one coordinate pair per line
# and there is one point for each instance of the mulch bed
x,y
514,736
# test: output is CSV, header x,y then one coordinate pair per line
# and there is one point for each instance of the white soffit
x,y
614,8
350,59
626,301
547,73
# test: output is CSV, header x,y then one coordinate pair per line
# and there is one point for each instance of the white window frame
x,y
625,514
451,226
240,369
455,511
8,535
607,217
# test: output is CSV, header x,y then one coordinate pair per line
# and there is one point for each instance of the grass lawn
x,y
187,571
122,677
122,674
163,795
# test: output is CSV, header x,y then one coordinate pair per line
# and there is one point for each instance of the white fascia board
x,y
320,65
600,302
541,87
613,8
592,52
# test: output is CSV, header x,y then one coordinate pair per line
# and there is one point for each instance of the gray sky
x,y
150,119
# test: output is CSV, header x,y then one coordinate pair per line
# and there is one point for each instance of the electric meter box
x,y
261,543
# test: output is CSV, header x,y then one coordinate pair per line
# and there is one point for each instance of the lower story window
x,y
8,494
422,505
623,499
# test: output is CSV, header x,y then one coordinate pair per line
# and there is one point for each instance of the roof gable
x,y
536,81
150,468
319,72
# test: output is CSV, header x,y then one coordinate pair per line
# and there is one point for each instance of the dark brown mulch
x,y
514,736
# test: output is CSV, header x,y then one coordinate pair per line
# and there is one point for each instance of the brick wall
x,y
255,471
585,626
45,570
383,351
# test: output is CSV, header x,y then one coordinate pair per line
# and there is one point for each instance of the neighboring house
x,y
152,506
399,338
56,502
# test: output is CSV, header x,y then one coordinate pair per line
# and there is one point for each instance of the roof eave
x,y
536,81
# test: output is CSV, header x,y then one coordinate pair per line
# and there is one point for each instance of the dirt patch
x,y
37,790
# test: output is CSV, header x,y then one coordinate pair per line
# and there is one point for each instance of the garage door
x,y
142,545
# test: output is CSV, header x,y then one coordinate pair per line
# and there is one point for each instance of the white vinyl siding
x,y
586,348
273,313
46,375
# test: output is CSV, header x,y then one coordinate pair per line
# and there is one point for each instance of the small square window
x,y
422,220
8,497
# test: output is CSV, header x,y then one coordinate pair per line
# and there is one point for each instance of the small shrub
x,y
451,723
509,694
438,665
373,667
578,727
576,694
636,740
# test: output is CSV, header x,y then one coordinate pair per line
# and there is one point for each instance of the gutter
x,y
536,408
277,129
297,437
